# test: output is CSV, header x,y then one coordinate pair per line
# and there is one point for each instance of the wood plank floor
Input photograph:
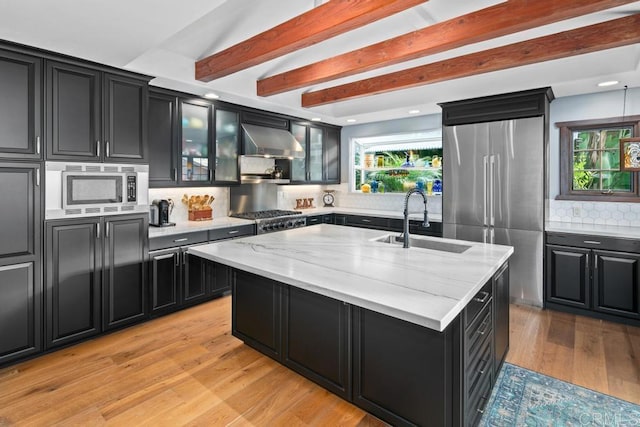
x,y
187,369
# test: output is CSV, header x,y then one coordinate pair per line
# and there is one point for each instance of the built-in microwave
x,y
90,189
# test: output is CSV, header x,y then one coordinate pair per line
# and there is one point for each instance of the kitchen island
x,y
410,335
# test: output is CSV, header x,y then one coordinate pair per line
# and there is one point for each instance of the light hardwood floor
x,y
187,369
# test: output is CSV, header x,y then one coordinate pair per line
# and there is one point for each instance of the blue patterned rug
x,y
525,398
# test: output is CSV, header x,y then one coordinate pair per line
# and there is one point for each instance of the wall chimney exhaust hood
x,y
262,141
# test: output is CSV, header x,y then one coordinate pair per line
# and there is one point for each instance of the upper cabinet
x,y
227,142
196,131
94,115
321,164
163,139
20,105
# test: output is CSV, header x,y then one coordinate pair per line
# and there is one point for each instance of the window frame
x,y
566,160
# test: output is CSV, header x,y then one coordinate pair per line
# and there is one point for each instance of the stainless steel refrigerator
x,y
494,191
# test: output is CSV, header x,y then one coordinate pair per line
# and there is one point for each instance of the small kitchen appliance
x,y
159,213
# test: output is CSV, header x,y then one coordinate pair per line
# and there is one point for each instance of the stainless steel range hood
x,y
268,142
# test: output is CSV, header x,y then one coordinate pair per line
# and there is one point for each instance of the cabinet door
x,y
299,166
73,266
163,140
227,140
125,119
313,322
567,280
195,276
221,280
73,113
125,254
617,283
196,142
20,105
20,320
501,313
332,156
255,312
315,154
19,210
165,280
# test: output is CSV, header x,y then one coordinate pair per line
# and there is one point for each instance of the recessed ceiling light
x,y
351,120
414,111
608,83
316,119
211,95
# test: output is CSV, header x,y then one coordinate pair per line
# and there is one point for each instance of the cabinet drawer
x,y
477,401
478,302
479,365
181,239
231,232
479,330
367,221
594,242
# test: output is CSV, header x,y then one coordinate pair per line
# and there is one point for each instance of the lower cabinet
x,y
401,372
593,275
95,275
178,279
388,224
20,311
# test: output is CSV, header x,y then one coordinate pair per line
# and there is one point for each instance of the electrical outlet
x,y
576,211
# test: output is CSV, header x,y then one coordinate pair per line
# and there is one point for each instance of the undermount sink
x,y
435,245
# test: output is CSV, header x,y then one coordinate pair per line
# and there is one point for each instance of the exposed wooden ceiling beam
x,y
592,38
323,22
502,19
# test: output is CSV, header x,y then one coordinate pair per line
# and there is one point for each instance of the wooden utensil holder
x,y
202,215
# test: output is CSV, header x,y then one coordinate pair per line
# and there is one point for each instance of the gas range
x,y
268,221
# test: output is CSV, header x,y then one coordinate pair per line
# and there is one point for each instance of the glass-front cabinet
x,y
321,163
226,146
196,135
209,147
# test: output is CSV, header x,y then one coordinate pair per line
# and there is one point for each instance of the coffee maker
x,y
159,213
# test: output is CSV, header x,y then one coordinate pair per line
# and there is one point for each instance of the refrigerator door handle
x,y
492,190
485,164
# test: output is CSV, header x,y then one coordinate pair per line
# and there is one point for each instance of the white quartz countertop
x,y
593,229
190,226
422,286
227,221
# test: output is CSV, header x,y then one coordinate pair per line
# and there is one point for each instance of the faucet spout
x,y
425,223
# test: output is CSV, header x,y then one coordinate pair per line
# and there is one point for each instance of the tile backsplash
x,y
287,196
599,213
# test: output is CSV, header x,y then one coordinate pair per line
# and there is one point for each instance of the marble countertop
x,y
422,286
227,221
190,226
593,229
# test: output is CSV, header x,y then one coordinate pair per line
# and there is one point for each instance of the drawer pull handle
x,y
482,299
184,239
366,220
483,328
481,409
591,242
234,231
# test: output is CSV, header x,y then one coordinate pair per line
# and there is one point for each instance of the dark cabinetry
x,y
389,224
94,115
20,105
321,219
593,275
95,276
399,371
178,279
163,139
321,163
20,261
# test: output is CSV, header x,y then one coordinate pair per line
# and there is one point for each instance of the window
x,y
590,160
396,163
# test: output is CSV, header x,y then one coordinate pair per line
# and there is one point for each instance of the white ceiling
x,y
164,38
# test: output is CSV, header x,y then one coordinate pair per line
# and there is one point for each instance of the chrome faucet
x,y
425,223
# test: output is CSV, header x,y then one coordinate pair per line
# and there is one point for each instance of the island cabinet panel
x,y
316,339
256,312
501,310
404,373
